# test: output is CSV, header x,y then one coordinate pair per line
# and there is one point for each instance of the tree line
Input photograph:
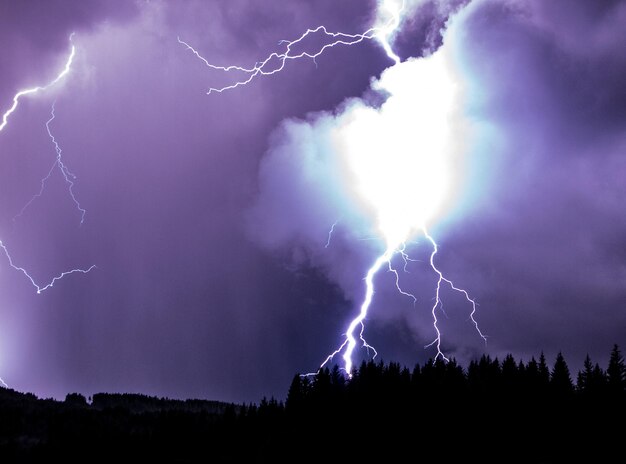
x,y
493,411
486,376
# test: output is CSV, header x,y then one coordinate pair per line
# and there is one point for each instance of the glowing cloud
x,y
398,158
392,168
395,164
399,162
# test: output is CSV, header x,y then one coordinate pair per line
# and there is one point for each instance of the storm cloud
x,y
213,279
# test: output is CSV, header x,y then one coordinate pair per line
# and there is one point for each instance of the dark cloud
x,y
182,302
422,31
545,248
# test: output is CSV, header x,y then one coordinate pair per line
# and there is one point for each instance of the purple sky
x,y
213,280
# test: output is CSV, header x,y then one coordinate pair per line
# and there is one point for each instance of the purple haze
x,y
207,285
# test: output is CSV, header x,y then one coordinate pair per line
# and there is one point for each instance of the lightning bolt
x,y
330,233
275,62
442,279
359,321
50,284
34,90
58,162
405,257
68,176
357,325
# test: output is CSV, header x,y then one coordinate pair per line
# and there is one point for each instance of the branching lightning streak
x,y
34,90
41,288
68,176
405,257
58,162
268,66
276,62
397,278
350,342
442,278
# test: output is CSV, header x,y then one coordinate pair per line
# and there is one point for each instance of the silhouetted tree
x,y
337,379
561,381
509,373
321,386
75,399
483,376
616,372
585,376
532,379
270,411
543,372
433,376
405,380
598,381
379,397
296,394
455,376
416,380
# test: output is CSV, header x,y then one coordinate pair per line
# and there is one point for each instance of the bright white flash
x,y
398,160
388,19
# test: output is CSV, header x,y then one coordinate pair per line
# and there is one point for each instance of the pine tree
x,y
296,394
616,372
531,377
416,378
532,371
454,376
561,381
337,378
543,373
509,372
583,382
321,384
597,382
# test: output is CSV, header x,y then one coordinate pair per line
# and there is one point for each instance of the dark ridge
x,y
503,411
137,403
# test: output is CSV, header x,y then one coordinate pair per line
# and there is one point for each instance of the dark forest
x,y
492,411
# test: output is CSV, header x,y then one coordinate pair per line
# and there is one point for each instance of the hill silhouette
x,y
493,411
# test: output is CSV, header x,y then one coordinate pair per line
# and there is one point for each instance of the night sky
x,y
208,215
